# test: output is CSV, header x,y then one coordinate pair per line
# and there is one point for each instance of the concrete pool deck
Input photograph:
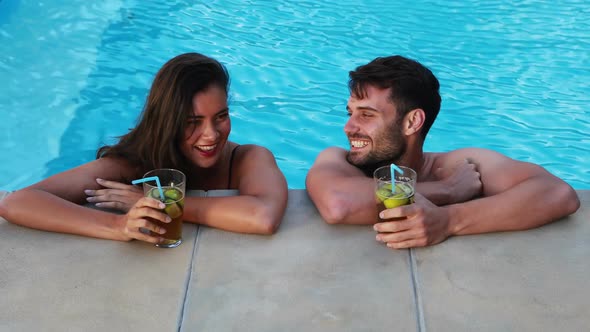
x,y
310,276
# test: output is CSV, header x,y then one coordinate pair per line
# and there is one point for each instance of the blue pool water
x,y
515,76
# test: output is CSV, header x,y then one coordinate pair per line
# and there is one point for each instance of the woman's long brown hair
x,y
155,141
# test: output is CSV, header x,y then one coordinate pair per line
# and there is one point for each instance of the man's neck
x,y
413,159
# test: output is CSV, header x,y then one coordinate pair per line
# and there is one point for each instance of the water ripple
x,y
515,77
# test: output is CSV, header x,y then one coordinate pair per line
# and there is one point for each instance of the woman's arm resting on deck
x,y
53,205
260,206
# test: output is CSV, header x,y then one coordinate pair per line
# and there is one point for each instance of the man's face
x,y
373,130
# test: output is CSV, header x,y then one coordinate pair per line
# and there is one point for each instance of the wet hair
x,y
412,86
155,141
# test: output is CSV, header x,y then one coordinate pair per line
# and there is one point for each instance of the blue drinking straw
x,y
393,167
151,178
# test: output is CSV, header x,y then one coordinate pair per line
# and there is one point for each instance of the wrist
x,y
455,222
118,227
447,193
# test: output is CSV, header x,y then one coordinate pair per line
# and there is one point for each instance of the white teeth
x,y
206,147
359,144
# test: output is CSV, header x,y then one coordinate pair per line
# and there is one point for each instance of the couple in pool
x,y
185,125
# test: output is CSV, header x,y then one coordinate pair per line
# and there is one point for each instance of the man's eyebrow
x,y
364,108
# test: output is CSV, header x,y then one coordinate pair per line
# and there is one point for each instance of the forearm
x,y
434,191
346,206
41,210
532,203
240,214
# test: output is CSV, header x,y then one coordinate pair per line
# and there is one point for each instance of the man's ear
x,y
414,121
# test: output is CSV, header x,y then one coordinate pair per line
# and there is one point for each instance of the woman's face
x,y
207,128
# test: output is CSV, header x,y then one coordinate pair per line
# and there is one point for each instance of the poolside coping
x,y
309,276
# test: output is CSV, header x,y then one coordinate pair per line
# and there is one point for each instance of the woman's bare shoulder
x,y
247,151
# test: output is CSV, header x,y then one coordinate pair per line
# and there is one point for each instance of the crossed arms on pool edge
x,y
392,105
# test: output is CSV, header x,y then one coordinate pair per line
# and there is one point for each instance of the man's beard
x,y
391,147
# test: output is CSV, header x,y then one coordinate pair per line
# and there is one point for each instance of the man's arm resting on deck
x,y
340,191
517,196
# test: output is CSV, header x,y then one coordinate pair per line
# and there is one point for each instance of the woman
x,y
185,125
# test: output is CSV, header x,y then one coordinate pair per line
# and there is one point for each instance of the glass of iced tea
x,y
173,185
393,191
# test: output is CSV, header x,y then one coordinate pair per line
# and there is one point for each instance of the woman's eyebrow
x,y
192,116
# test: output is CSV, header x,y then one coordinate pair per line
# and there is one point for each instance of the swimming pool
x,y
514,77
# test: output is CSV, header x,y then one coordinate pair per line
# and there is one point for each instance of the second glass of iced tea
x,y
393,190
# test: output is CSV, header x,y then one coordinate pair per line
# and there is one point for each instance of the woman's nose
x,y
210,131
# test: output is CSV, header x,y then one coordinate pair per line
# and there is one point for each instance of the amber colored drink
x,y
173,185
174,200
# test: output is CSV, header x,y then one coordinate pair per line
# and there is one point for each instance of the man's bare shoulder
x,y
473,155
333,152
333,160
331,155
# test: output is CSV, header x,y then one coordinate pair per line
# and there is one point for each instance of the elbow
x,y
5,208
267,221
565,200
570,200
333,211
269,226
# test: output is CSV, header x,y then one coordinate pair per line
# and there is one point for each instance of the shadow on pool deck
x,y
310,276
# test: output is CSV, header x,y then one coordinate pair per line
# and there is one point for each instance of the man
x,y
393,103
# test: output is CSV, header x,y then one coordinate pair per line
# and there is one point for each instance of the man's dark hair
x,y
412,86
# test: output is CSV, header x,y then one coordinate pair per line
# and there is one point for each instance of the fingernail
x,y
168,219
88,191
89,199
98,204
381,215
162,231
378,238
161,205
375,227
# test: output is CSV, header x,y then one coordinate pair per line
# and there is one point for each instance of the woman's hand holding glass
x,y
136,224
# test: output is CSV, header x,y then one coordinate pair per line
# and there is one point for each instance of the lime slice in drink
x,y
395,201
172,209
383,194
173,194
402,196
